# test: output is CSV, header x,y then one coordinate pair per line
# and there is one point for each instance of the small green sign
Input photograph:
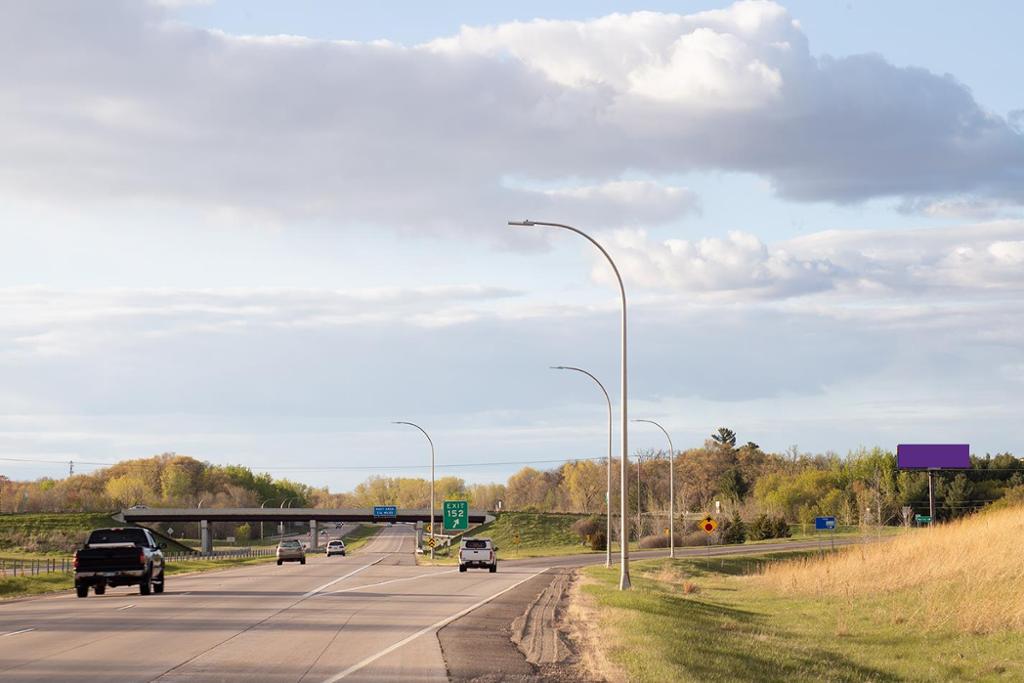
x,y
923,519
456,515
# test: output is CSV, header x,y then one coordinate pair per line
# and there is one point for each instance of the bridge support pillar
x,y
419,534
205,540
314,534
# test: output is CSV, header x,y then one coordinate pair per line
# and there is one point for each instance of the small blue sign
x,y
825,523
385,511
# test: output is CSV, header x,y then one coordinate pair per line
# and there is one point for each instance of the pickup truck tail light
x,y
142,558
74,562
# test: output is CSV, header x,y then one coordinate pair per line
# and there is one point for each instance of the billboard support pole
x,y
931,494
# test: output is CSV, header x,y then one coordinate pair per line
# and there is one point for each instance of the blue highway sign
x,y
825,523
385,511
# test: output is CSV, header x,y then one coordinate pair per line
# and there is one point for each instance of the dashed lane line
x,y
14,633
433,627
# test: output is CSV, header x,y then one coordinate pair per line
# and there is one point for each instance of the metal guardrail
x,y
49,565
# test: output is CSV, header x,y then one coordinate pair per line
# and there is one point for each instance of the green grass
x,y
703,620
540,534
20,586
359,536
26,535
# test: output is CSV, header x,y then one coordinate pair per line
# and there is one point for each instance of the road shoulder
x,y
482,646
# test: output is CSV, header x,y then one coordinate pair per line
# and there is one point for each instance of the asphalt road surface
x,y
371,616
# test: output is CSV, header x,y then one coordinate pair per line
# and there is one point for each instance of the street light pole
x,y
671,489
261,521
624,582
431,442
280,525
608,491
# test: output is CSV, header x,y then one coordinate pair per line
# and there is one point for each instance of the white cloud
x,y
740,264
866,264
118,101
41,321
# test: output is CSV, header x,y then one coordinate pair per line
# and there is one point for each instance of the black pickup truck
x,y
120,557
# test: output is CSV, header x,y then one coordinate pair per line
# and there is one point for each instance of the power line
x,y
326,468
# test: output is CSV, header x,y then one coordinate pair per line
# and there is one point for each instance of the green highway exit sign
x,y
456,514
923,519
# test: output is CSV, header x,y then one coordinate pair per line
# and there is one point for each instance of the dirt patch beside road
x,y
482,646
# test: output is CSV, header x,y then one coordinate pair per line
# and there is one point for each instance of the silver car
x,y
290,551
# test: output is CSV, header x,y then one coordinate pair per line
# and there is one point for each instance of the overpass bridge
x,y
312,515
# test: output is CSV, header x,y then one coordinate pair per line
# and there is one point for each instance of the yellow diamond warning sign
x,y
708,524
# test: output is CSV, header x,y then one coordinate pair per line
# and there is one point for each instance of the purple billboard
x,y
927,456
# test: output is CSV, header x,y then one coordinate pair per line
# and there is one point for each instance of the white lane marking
x,y
433,627
340,578
382,583
14,633
123,608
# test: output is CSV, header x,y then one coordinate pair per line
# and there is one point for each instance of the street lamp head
x,y
557,367
522,224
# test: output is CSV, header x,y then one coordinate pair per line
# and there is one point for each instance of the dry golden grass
x,y
967,575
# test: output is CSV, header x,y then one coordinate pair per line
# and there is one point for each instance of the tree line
x,y
721,476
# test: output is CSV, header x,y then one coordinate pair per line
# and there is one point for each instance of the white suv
x,y
479,553
336,547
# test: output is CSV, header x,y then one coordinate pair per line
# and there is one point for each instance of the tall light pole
x,y
608,492
431,442
280,525
624,582
671,489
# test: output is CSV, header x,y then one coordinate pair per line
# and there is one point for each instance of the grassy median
x,y
942,604
20,586
360,536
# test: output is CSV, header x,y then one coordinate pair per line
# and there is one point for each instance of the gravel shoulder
x,y
516,637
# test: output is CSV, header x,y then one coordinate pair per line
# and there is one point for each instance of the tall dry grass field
x,y
967,575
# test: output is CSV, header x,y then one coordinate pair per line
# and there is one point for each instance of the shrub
x,y
761,528
588,527
598,540
693,538
780,528
734,531
765,527
654,541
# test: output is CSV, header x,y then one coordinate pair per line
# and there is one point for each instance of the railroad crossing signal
x,y
708,524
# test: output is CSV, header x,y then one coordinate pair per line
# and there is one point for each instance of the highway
x,y
371,616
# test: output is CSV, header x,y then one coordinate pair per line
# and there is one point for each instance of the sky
x,y
259,232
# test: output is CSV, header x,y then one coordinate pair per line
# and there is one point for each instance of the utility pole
x,y
71,468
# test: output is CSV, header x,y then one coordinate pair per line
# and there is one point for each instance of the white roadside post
x,y
608,491
431,442
624,582
671,490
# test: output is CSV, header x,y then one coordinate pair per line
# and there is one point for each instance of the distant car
x,y
478,553
139,507
290,551
336,547
323,532
337,525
